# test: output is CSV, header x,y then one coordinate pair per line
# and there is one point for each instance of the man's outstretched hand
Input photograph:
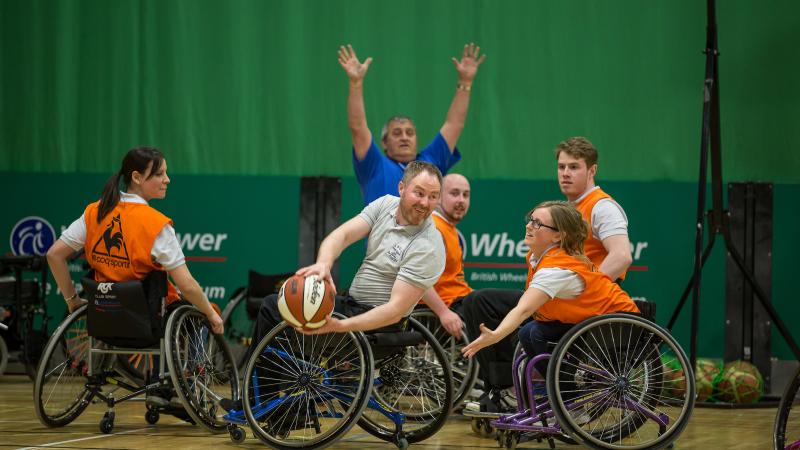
x,y
354,69
471,59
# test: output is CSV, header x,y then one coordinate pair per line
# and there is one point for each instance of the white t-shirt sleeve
x,y
555,282
167,250
608,219
372,212
423,266
75,235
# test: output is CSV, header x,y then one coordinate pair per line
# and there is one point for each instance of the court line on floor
x,y
50,444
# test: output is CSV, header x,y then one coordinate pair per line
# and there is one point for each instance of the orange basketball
x,y
306,301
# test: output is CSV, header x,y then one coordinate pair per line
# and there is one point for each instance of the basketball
x,y
673,377
306,301
740,382
705,374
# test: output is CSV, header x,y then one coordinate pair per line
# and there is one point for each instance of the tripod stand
x,y
718,218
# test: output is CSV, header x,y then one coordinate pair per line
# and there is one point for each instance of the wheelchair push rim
x,y
424,396
465,370
60,392
306,391
612,384
201,367
786,433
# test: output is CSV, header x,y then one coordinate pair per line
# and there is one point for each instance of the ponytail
x,y
136,160
110,196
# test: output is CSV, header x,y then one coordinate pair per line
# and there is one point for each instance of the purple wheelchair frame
x,y
525,419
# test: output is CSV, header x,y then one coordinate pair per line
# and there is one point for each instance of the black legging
x,y
489,307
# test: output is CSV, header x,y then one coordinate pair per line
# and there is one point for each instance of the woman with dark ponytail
x,y
125,239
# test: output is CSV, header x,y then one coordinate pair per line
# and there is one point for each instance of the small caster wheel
x,y
500,437
152,416
512,439
402,444
487,429
107,423
237,434
475,425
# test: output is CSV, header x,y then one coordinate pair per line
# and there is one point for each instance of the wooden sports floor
x,y
746,429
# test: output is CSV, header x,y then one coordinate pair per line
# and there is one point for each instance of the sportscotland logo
x,y
32,235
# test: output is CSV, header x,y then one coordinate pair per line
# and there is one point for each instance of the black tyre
x,y
611,365
464,370
3,355
417,384
306,391
59,393
238,327
787,421
201,367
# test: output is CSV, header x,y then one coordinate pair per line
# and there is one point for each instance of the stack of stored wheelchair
x,y
307,391
86,360
24,310
615,381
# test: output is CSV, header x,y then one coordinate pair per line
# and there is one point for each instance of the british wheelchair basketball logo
x,y
32,235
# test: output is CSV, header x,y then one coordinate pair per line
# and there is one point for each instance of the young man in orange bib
x,y
452,287
607,245
563,287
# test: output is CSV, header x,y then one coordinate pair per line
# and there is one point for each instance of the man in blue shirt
x,y
378,172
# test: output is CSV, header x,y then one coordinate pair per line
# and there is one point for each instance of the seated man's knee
x,y
269,309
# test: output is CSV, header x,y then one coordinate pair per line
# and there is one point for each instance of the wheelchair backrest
x,y
260,286
127,313
647,308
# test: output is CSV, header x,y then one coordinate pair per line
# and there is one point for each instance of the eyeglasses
x,y
536,223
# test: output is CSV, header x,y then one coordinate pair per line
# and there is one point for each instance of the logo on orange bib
x,y
110,248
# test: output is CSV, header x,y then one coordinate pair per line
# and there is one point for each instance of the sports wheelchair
x,y
241,312
786,432
465,370
23,307
82,362
606,388
307,391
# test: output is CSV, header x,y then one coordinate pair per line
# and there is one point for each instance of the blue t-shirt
x,y
379,175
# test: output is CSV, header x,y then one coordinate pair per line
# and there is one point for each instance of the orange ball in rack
x,y
306,301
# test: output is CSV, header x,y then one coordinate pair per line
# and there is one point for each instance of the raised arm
x,y
333,245
356,115
467,68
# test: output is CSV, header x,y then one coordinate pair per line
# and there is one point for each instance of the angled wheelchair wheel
x,y
238,327
416,382
201,367
134,367
3,355
605,383
60,393
465,370
306,391
786,434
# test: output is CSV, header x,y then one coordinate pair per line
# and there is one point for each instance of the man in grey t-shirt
x,y
405,256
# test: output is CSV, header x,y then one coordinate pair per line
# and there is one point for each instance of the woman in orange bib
x,y
124,238
563,286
